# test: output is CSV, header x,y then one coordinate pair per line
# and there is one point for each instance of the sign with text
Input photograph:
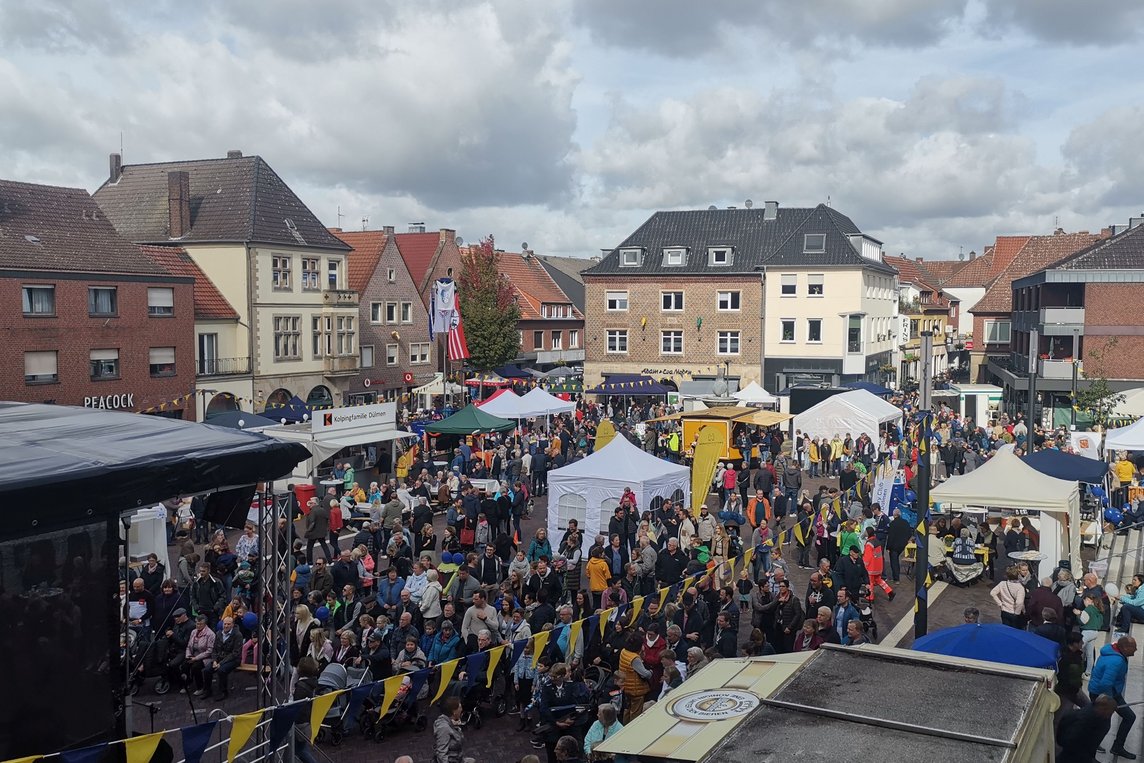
x,y
383,415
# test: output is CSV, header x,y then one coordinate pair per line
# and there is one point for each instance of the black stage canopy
x,y
60,465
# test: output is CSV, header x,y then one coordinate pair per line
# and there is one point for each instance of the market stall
x,y
848,413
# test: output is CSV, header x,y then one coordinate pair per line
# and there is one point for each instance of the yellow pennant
x,y
494,660
605,433
318,710
242,726
140,749
748,555
605,616
447,671
731,567
637,605
29,759
390,686
539,641
663,592
573,637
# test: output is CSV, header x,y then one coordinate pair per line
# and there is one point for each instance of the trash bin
x,y
304,492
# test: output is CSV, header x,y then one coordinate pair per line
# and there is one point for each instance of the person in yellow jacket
x,y
814,457
633,678
598,574
836,455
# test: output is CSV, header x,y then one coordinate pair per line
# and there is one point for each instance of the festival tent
x,y
240,420
1005,481
292,412
437,386
854,413
504,403
539,403
589,490
628,384
470,420
1067,466
753,394
1130,437
992,642
871,387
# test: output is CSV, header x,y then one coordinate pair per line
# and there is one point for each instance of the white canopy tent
x,y
330,431
1133,403
1005,481
537,402
753,394
506,404
438,386
589,490
1130,437
851,413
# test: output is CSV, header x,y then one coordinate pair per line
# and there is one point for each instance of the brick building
x,y
88,319
551,327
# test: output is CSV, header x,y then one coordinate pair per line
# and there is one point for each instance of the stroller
x,y
474,692
149,656
403,714
335,677
866,613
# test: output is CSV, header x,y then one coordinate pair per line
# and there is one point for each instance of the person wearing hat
x,y
177,636
377,655
851,570
446,644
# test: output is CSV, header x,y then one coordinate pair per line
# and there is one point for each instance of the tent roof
x,y
1067,466
512,372
619,459
1007,481
871,387
539,403
470,420
293,411
231,419
847,412
730,413
1130,437
504,403
109,461
753,393
993,642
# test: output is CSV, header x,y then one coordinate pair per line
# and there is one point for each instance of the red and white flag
x,y
458,347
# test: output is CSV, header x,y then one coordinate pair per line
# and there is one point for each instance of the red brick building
x,y
88,319
551,327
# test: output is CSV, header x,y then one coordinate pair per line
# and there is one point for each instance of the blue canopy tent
x,y
629,384
992,642
512,372
871,387
240,420
1067,466
294,411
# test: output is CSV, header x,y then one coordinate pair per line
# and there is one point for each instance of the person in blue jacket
x,y
1108,677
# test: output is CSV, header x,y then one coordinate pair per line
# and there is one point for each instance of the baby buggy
x,y
149,657
334,678
402,714
473,691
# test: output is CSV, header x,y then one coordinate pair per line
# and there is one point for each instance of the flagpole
x,y
921,529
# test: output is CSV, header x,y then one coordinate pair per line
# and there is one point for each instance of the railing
x,y
222,366
1058,369
342,364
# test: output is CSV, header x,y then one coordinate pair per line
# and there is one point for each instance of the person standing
x,y
448,733
897,538
1010,598
1081,731
317,530
1109,676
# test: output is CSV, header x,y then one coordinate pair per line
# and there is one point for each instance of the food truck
x,y
729,420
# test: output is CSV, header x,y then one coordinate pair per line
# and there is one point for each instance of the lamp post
x,y
921,529
1075,369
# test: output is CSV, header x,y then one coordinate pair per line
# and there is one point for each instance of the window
x,y
618,340
391,312
40,367
814,243
333,271
391,275
345,335
788,285
728,343
311,275
544,311
208,354
719,256
280,265
616,300
391,355
558,340
418,353
367,356
317,344
854,334
160,301
671,301
630,258
914,328
104,364
674,258
787,327
814,284
727,301
814,330
102,301
375,312
671,343
407,312
538,340
998,332
287,337
573,339
162,361
39,300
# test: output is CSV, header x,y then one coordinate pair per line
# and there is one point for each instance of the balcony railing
x,y
341,364
1059,369
222,366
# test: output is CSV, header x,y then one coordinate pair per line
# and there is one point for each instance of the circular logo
x,y
408,377
367,382
713,705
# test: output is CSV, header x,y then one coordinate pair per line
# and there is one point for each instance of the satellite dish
x,y
748,203
524,246
460,241
712,208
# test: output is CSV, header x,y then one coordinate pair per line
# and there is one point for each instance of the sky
x,y
934,124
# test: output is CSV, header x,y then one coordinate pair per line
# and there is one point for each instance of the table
x,y
983,551
1034,558
332,483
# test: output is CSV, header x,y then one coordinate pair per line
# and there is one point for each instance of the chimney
x,y
234,153
918,260
1134,222
178,203
972,255
416,227
448,236
116,162
387,230
770,210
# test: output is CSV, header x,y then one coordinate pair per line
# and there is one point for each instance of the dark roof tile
x,y
1038,253
1124,251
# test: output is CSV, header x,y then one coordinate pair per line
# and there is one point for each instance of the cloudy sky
x,y
935,124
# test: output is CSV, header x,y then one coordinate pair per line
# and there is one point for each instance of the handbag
x,y
468,535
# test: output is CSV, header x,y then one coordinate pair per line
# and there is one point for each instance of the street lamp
x,y
1075,369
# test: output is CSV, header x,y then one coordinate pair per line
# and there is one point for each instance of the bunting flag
x,y
281,723
517,651
663,594
391,686
140,749
605,617
196,739
447,671
637,605
358,695
540,640
29,759
495,655
417,682
85,755
321,706
476,665
731,568
241,729
573,637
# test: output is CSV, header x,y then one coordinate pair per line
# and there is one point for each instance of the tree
x,y
488,308
1097,396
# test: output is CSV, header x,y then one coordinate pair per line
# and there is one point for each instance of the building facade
x,y
551,327
89,320
270,258
923,307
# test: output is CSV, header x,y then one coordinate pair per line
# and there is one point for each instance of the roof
x,y
940,271
754,240
533,284
210,304
1037,254
365,252
49,228
974,274
232,200
910,271
1121,252
417,249
566,272
1005,250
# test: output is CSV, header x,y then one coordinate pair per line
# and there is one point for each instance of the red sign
x,y
408,377
969,344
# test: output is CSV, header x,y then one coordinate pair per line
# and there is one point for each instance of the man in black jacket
x,y
344,572
208,596
1081,731
726,638
670,564
224,660
897,537
851,571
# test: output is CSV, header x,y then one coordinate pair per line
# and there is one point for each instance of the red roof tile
x,y
417,249
535,287
909,271
1005,250
940,271
975,273
1036,254
366,248
210,304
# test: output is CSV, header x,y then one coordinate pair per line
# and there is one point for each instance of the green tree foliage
x,y
1096,396
488,308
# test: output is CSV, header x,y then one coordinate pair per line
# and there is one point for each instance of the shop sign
x,y
110,402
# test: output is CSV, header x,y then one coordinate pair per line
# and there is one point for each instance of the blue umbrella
x,y
992,642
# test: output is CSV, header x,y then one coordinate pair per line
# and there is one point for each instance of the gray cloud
x,y
1093,22
63,25
1105,156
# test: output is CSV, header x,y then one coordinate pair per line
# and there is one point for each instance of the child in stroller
x,y
334,678
402,714
866,613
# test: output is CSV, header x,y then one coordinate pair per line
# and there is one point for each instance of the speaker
x,y
229,508
805,398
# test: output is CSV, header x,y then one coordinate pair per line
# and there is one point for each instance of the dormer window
x,y
674,257
814,243
630,258
719,256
